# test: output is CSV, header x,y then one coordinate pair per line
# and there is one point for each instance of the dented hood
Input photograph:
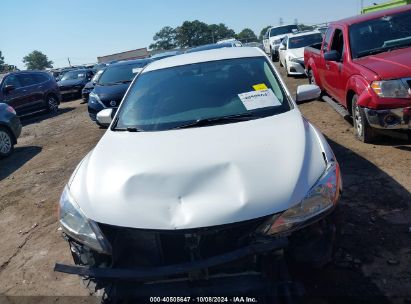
x,y
199,177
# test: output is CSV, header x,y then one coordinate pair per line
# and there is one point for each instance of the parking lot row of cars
x,y
361,64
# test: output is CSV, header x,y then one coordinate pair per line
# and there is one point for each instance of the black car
x,y
10,129
29,91
73,82
90,85
112,85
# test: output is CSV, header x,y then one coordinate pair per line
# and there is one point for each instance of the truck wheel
x,y
6,143
362,130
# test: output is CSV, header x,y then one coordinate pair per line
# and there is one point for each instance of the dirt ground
x,y
373,260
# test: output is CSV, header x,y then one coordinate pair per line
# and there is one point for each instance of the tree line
x,y
196,33
36,60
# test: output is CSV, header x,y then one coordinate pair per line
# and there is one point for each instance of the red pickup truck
x,y
364,63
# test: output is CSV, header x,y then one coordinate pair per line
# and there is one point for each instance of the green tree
x,y
2,65
263,31
220,31
165,39
193,33
36,60
246,35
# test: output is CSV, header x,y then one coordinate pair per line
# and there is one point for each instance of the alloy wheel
x,y
358,120
5,142
52,104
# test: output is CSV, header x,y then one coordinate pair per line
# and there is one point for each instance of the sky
x,y
84,29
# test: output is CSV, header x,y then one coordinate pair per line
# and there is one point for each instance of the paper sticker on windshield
x,y
137,70
259,99
260,87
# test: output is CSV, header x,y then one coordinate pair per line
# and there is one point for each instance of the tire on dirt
x,y
362,129
6,142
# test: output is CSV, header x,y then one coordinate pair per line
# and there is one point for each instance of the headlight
x,y
322,197
391,89
93,98
292,59
11,110
76,225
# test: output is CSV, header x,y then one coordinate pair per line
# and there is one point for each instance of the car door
x,y
28,84
17,96
39,89
334,80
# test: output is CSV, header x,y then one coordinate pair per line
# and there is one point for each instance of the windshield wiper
x,y
201,122
128,129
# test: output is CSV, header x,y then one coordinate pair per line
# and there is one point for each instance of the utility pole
x,y
69,61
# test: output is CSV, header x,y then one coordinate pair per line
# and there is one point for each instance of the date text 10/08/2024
x,y
203,300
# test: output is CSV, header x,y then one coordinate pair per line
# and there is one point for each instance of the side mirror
x,y
8,88
282,47
307,92
332,56
104,117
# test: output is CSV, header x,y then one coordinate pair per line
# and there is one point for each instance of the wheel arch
x,y
5,126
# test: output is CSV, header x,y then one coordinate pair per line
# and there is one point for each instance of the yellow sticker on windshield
x,y
260,87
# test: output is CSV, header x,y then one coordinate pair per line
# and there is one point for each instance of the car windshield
x,y
303,41
183,95
97,75
74,75
380,35
283,30
120,73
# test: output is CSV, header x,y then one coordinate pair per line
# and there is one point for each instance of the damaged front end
x,y
243,257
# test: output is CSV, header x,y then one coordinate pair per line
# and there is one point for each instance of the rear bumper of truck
x,y
393,119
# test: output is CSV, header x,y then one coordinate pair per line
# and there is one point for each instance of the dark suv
x,y
29,91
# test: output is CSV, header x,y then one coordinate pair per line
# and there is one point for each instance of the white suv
x,y
273,38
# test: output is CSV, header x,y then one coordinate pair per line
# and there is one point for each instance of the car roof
x,y
374,15
130,62
210,46
205,56
304,33
284,25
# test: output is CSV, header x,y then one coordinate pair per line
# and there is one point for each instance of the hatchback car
x,y
29,91
207,172
112,85
73,82
10,129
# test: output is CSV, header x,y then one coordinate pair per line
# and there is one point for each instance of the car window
x,y
72,75
303,41
338,42
168,98
40,78
283,30
12,80
380,35
120,73
327,38
26,79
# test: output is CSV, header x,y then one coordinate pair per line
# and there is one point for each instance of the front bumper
x,y
296,67
393,119
93,109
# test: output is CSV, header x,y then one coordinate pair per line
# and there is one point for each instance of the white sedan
x,y
207,170
291,51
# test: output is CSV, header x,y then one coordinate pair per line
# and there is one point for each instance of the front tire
x,y
362,129
6,143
